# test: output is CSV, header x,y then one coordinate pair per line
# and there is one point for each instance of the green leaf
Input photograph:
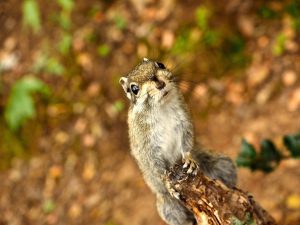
x,y
293,9
67,5
248,220
103,50
119,106
269,156
20,106
48,206
39,63
54,67
278,47
64,20
267,12
236,221
120,22
292,143
31,15
65,43
182,43
269,152
247,155
202,15
211,37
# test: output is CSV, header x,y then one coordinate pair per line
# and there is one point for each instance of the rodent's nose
x,y
160,85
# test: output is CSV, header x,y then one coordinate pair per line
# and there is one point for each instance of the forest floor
x,y
71,164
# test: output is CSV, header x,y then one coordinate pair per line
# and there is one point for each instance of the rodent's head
x,y
149,83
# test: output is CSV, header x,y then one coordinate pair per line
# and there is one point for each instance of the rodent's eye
x,y
160,65
135,89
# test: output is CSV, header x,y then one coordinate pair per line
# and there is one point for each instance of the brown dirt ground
x,y
77,168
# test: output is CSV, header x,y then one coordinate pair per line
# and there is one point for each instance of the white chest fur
x,y
166,132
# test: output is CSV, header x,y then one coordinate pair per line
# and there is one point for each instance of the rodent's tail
x,y
216,166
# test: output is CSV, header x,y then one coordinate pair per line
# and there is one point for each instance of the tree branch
x,y
212,202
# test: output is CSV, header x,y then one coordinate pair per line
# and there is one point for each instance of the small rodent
x,y
161,133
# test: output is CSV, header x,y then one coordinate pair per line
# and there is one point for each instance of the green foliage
x,y
293,9
234,50
103,50
278,47
49,206
269,156
31,15
64,20
119,106
65,43
53,66
248,220
20,106
183,43
67,5
267,13
211,37
202,15
49,65
63,17
292,143
247,155
120,22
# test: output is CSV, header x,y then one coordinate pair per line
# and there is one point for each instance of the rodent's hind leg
x,y
217,167
173,212
190,163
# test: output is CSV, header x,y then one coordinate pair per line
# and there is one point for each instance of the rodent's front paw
x,y
172,191
190,163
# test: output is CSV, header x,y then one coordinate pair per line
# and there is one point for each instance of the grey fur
x,y
161,133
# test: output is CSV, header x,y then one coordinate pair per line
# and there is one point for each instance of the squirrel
x,y
161,133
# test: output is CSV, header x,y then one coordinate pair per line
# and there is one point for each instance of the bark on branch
x,y
213,203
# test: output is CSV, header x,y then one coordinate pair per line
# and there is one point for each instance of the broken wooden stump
x,y
212,202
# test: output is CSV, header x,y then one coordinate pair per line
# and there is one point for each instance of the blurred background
x,y
64,154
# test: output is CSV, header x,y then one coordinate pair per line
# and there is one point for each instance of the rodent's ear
x,y
124,83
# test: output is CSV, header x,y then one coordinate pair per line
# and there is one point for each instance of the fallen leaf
x,y
263,41
142,50
88,140
80,125
246,25
88,171
257,74
10,43
294,101
235,92
61,137
200,91
93,89
75,211
55,171
168,38
293,201
84,60
289,77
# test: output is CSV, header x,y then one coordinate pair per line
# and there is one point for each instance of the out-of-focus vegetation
x,y
269,156
20,105
223,46
63,140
